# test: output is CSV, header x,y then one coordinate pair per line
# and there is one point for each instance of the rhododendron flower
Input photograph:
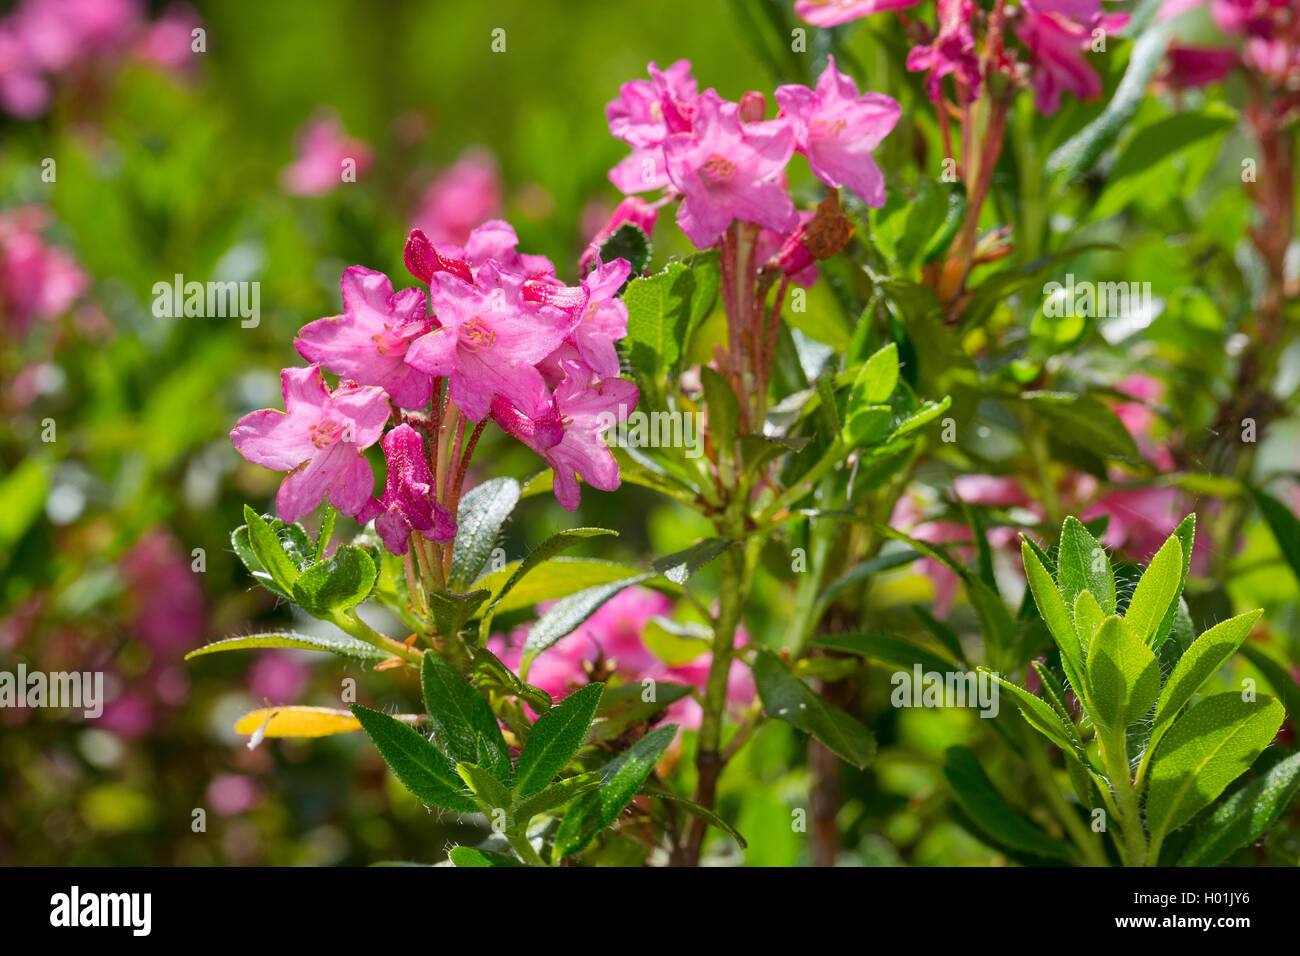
x,y
323,151
488,341
645,114
632,210
168,41
37,281
407,503
728,170
465,195
368,343
318,439
791,255
1059,47
952,52
59,33
24,91
1195,66
169,613
587,408
836,128
604,319
831,13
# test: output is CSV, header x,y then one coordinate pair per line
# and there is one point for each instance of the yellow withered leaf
x,y
296,721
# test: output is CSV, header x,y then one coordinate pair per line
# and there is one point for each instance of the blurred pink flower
x,y
277,677
831,13
168,41
323,153
1059,47
230,794
465,195
37,281
951,52
130,714
170,612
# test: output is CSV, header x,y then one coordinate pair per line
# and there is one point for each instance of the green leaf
x,y
1243,817
788,698
925,413
469,856
567,613
482,512
326,532
679,567
702,813
659,309
1038,713
415,761
463,723
1283,684
623,707
1088,616
491,792
1186,535
1076,156
1148,152
1283,524
1123,676
877,379
556,795
1210,746
1156,592
555,738
1053,610
341,582
724,409
269,550
620,780
892,651
986,807
340,644
544,552
629,242
451,611
1198,664
555,578
489,671
1083,421
1081,564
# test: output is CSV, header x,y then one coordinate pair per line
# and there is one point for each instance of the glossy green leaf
x,y
1284,525
625,706
788,698
482,512
679,567
567,613
1198,664
416,762
340,644
1082,564
463,723
1245,814
1283,684
340,582
724,409
469,856
555,738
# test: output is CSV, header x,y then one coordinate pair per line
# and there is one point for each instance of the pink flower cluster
x,y
37,280
1270,47
497,334
322,151
726,163
43,41
612,640
1057,36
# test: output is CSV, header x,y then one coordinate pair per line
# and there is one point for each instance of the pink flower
x,y
789,252
24,91
831,13
37,281
60,34
278,677
168,41
324,152
953,51
318,439
1059,48
488,340
587,407
836,128
170,612
645,114
408,501
466,195
604,319
632,210
1198,66
368,343
729,170
231,794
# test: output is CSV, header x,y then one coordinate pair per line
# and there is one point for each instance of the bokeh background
x,y
168,161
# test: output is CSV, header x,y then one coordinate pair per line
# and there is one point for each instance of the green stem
x,y
1114,755
1080,835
